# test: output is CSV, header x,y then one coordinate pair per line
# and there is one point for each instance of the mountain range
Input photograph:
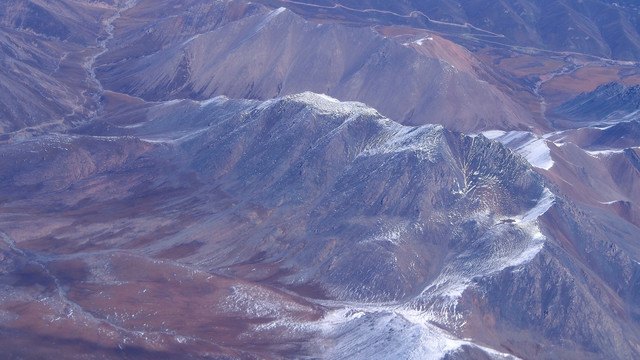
x,y
338,180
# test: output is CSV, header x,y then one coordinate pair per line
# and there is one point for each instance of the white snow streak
x,y
423,139
609,202
597,153
326,104
527,144
545,202
420,41
215,100
179,137
270,16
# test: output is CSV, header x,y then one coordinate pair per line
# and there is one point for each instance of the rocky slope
x,y
359,223
175,185
48,52
607,104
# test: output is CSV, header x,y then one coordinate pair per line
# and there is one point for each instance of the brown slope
x,y
596,27
250,57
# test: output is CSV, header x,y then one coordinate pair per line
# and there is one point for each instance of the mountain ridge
x,y
176,183
384,199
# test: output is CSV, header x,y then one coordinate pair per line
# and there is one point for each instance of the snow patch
x,y
422,40
7,317
270,16
389,332
266,104
423,139
598,153
179,137
545,202
527,144
133,126
257,302
216,100
609,202
186,42
327,105
394,233
614,119
499,248
493,134
171,102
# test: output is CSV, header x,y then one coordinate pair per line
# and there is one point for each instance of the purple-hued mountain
x,y
328,180
182,57
596,27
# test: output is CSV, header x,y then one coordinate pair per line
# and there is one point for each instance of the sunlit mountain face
x,y
330,179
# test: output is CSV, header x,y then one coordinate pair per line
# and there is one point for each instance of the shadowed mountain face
x,y
174,185
610,103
